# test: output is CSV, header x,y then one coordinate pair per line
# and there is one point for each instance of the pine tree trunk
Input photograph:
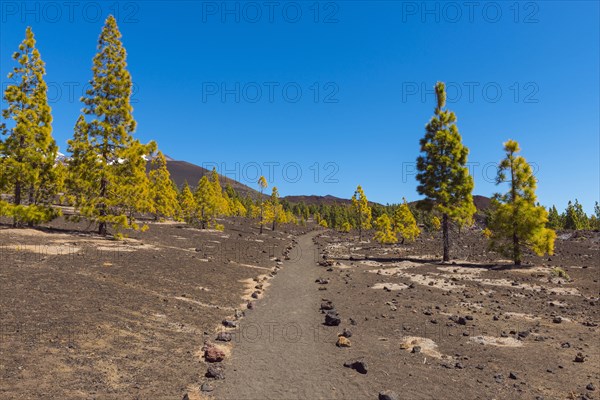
x,y
274,224
31,201
17,201
102,231
261,219
359,227
516,250
446,237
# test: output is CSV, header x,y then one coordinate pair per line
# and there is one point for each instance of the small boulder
x,y
388,395
223,337
207,387
332,319
590,387
229,323
343,342
213,354
215,372
357,365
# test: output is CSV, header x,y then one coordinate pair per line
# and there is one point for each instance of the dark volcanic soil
x,y
484,328
89,318
82,317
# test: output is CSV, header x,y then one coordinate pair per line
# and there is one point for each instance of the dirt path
x,y
282,350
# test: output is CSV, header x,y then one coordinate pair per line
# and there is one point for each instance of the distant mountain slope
x,y
318,200
182,171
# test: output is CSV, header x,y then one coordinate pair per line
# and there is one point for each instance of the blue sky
x,y
320,97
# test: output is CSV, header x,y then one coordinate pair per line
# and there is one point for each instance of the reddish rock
x,y
213,354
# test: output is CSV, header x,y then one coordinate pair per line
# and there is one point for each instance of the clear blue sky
x,y
220,85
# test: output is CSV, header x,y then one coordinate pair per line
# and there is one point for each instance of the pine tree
x,y
404,222
134,193
443,176
206,202
362,211
277,211
28,154
346,227
516,221
221,203
385,234
262,185
595,222
104,151
554,219
575,217
163,191
187,205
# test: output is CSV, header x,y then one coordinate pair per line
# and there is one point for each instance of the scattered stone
x,y
332,318
229,323
213,354
512,375
498,378
557,320
343,342
523,335
207,387
250,305
224,337
416,349
215,372
458,365
346,333
579,358
565,345
327,305
322,281
186,397
590,387
255,294
357,365
388,395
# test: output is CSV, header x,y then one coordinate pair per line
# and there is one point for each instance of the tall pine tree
x,y
163,191
554,219
385,234
362,211
404,222
443,176
262,185
108,156
28,153
575,218
276,207
515,220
